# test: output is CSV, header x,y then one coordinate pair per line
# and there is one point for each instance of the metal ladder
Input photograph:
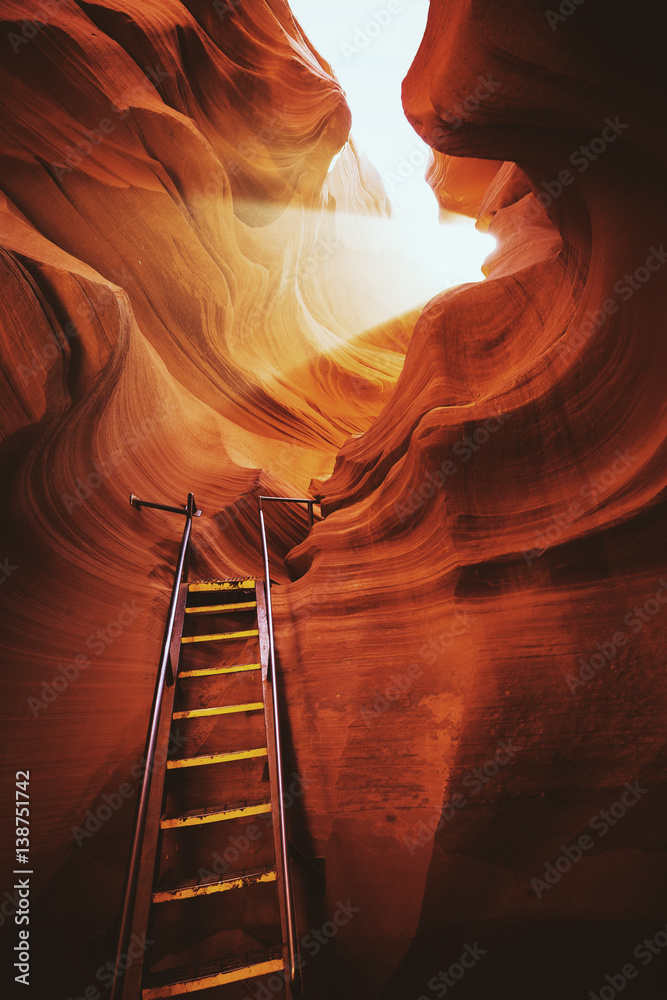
x,y
208,900
221,692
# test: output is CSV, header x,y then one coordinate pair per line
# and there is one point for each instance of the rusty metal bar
x,y
289,898
165,676
307,500
136,502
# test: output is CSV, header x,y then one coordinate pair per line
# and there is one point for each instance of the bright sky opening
x,y
370,46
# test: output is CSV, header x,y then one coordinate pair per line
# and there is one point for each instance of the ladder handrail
x,y
284,848
166,674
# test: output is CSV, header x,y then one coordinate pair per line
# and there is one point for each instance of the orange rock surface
x,y
493,552
473,644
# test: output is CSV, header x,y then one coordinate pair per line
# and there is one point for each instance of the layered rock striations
x,y
472,647
181,310
485,680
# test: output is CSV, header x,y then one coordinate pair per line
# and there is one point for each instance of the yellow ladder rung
x,y
214,586
211,671
217,758
220,635
216,816
217,979
191,892
210,609
202,713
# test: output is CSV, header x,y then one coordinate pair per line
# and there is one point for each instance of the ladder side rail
x,y
283,876
290,918
165,677
271,677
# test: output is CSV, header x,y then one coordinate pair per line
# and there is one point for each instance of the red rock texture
x,y
180,311
515,479
194,303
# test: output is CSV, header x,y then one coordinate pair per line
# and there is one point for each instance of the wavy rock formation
x,y
181,310
471,647
483,684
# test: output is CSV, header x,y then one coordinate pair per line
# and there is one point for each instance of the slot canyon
x,y
206,289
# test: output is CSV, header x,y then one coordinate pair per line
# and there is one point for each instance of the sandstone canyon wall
x,y
192,301
496,542
179,312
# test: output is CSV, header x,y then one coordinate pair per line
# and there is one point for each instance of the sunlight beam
x,y
370,47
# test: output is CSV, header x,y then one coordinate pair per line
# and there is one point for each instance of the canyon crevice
x,y
472,637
